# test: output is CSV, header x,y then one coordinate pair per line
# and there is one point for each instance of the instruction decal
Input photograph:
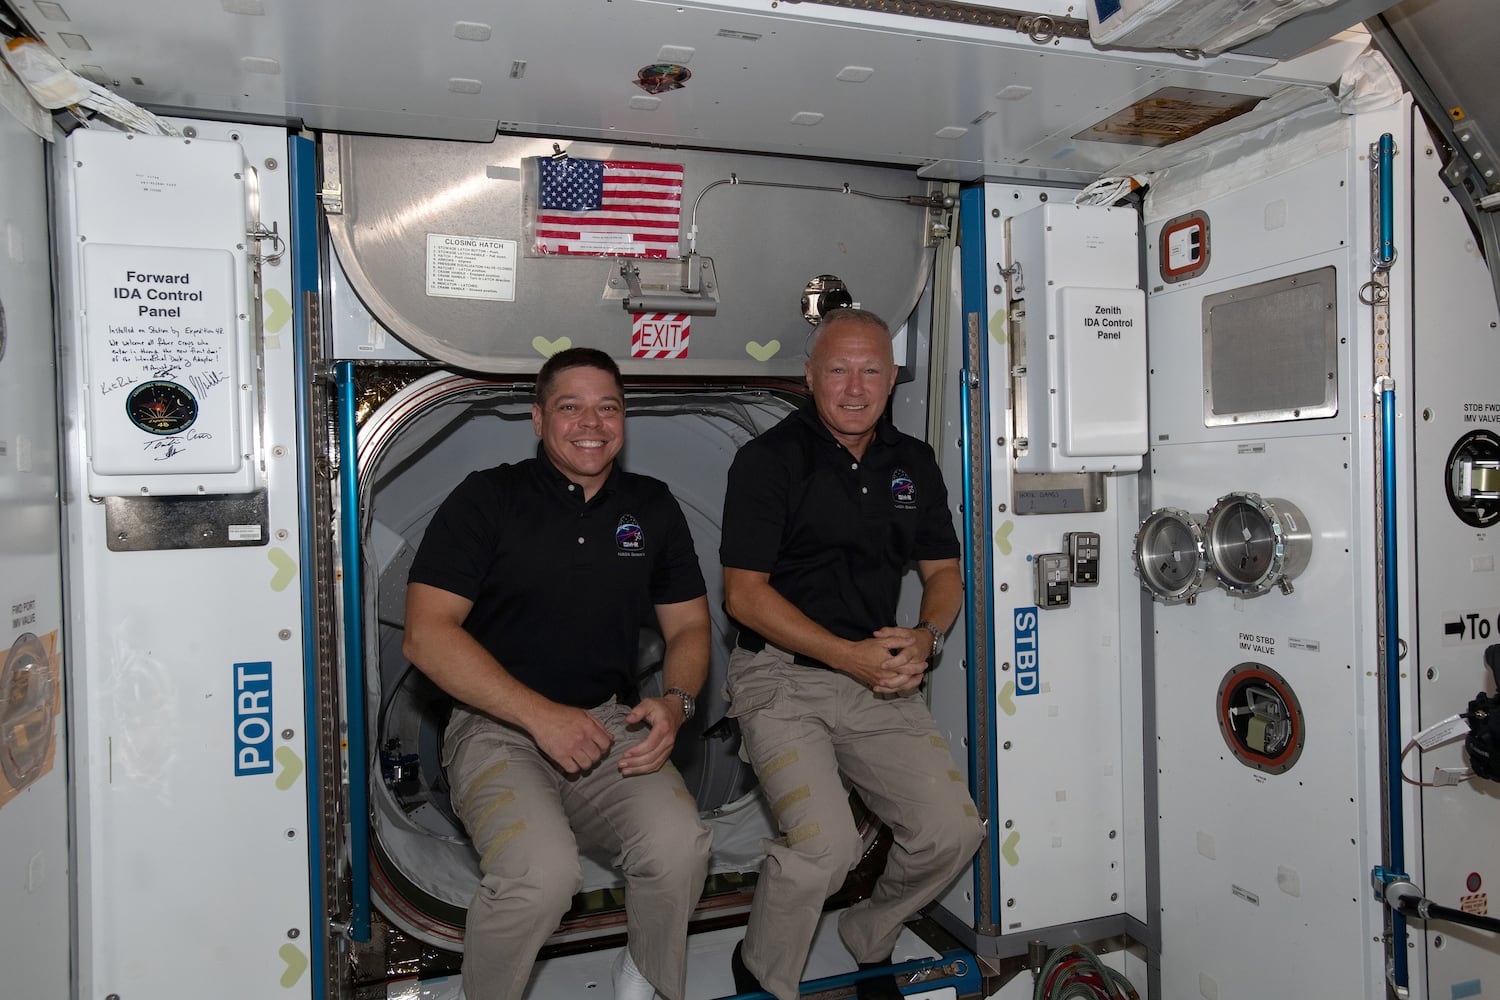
x,y
1262,644
471,267
1028,652
1482,413
1463,627
163,360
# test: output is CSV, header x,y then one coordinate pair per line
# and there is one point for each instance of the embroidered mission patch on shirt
x,y
629,536
903,490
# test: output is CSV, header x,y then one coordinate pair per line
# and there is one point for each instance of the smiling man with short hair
x,y
822,516
525,603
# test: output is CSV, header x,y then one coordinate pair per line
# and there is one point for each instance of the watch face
x,y
161,407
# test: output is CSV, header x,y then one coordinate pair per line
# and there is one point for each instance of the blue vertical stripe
x,y
301,161
979,594
354,656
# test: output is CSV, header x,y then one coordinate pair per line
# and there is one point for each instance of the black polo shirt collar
x,y
885,431
553,476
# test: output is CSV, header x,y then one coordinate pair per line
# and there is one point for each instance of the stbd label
x,y
1028,652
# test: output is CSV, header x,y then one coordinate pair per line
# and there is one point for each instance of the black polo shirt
x,y
835,534
561,587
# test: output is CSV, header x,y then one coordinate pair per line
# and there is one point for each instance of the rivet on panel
x,y
284,634
271,163
287,734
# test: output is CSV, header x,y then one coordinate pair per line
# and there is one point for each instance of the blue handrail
x,y
979,595
1385,255
1396,830
354,657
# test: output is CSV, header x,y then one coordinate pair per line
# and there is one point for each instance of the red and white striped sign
x,y
660,335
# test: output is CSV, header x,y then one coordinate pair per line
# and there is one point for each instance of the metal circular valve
x,y
823,295
1171,557
1260,718
28,686
1256,543
1473,485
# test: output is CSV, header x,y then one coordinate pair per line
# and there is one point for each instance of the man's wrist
x,y
937,637
689,703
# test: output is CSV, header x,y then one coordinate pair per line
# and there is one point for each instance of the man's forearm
x,y
456,662
758,606
942,597
685,664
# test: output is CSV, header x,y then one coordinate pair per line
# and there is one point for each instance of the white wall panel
x,y
192,865
34,860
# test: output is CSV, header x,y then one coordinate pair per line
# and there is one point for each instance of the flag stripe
x,y
577,234
652,226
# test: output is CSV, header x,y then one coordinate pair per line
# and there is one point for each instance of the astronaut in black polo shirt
x,y
525,603
822,516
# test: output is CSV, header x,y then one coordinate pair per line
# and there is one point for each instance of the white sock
x,y
629,983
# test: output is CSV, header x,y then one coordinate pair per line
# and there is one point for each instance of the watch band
x,y
937,637
689,704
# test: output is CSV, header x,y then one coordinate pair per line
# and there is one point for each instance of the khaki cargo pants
x,y
803,727
527,818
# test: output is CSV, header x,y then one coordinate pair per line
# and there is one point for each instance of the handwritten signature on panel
x,y
176,444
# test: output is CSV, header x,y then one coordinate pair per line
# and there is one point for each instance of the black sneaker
x,y
744,979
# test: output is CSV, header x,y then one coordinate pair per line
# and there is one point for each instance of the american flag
x,y
608,207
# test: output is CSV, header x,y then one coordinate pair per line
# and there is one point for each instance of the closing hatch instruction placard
x,y
162,361
471,267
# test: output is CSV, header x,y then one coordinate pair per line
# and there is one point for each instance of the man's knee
x,y
955,833
677,849
833,853
538,875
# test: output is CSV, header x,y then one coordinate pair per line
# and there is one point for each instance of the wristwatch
x,y
937,638
689,706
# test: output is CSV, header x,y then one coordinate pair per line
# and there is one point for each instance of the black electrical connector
x,y
1483,741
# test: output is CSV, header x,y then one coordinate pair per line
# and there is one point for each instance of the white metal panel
x,y
1252,861
167,354
1059,771
175,850
1282,225
967,99
34,855
1457,355
1078,266
1246,856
